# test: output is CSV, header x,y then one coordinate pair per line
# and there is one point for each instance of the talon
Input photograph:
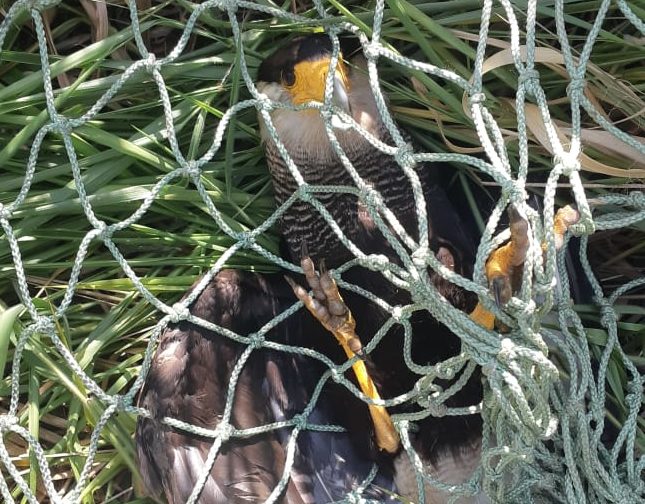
x,y
519,236
298,291
514,215
501,290
356,346
312,277
304,250
321,312
502,265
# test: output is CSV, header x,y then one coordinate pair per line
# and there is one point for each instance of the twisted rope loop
x,y
542,429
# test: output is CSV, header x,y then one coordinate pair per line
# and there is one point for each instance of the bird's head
x,y
296,74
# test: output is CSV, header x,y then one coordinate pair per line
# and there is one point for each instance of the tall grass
x,y
123,152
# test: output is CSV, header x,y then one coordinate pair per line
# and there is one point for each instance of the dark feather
x,y
189,379
432,342
191,371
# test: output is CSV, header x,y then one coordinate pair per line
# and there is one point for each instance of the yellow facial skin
x,y
310,78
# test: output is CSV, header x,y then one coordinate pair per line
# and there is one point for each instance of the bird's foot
x,y
328,307
505,265
566,217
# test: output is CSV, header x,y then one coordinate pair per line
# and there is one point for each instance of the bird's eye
x,y
288,77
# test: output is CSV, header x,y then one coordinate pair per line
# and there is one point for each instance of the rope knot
x,y
121,402
104,231
62,124
607,313
519,309
371,50
327,113
397,314
190,169
378,261
245,240
437,410
179,312
224,431
256,341
151,63
529,78
576,86
43,324
420,256
564,305
6,421
635,386
401,422
333,29
303,193
489,368
371,197
567,164
582,228
636,199
355,497
543,286
404,156
263,102
299,421
5,213
477,98
507,351
445,371
515,191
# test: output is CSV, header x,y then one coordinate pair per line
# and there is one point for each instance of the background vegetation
x,y
123,153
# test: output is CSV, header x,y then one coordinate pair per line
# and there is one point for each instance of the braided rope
x,y
541,432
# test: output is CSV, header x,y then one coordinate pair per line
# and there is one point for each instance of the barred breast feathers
x,y
304,136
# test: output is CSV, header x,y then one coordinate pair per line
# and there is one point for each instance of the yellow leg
x,y
503,262
328,307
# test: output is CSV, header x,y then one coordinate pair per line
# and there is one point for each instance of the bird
x,y
296,75
191,371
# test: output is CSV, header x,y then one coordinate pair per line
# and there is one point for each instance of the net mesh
x,y
546,423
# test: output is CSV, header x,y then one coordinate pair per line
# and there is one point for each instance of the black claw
x,y
513,214
304,250
497,286
322,267
358,349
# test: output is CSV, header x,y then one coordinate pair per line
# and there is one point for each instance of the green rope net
x,y
546,423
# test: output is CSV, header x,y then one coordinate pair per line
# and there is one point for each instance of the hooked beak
x,y
339,97
310,78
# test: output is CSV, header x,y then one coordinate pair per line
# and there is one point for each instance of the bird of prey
x,y
190,373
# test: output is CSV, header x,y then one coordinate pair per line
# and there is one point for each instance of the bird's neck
x,y
305,138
